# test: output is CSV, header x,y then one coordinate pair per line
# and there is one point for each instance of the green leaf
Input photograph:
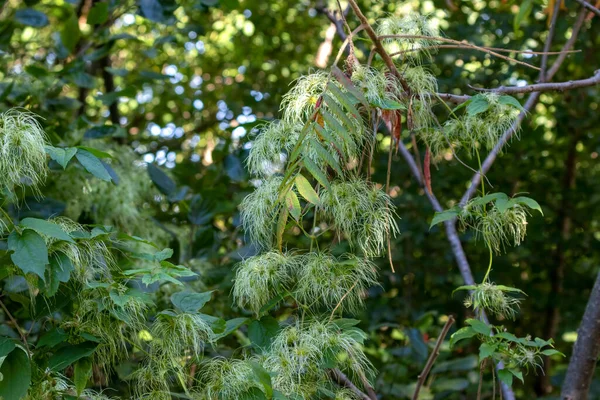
x,y
337,110
272,303
345,323
478,105
445,215
531,203
162,181
52,338
82,374
316,172
31,17
349,86
481,201
464,287
502,205
386,104
524,10
505,376
262,332
345,99
461,105
59,270
16,375
6,346
98,13
517,373
480,326
67,355
30,253
281,224
96,152
61,155
325,156
70,33
507,336
508,289
93,165
232,325
263,378
253,393
551,352
293,204
332,123
190,302
47,228
218,325
306,190
485,351
327,136
466,332
510,101
101,131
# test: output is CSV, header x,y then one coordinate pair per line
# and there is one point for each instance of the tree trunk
x,y
585,352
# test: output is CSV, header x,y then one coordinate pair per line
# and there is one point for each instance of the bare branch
x,y
341,379
529,104
378,46
17,327
432,357
460,43
548,44
547,87
589,7
339,23
462,46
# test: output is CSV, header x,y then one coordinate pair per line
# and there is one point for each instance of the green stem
x,y
481,172
487,274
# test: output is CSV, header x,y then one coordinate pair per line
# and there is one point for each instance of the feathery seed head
x,y
228,378
494,299
377,86
22,150
325,281
267,153
412,24
259,279
364,214
259,210
299,103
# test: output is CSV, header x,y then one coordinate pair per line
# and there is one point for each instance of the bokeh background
x,y
182,85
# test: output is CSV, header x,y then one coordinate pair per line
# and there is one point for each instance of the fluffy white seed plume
x,y
22,150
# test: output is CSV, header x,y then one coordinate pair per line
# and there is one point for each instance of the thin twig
x,y
339,25
498,49
548,44
458,42
589,7
378,45
16,324
341,300
432,357
481,369
529,104
344,381
546,87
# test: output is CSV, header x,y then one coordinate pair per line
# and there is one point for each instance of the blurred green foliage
x,y
181,85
